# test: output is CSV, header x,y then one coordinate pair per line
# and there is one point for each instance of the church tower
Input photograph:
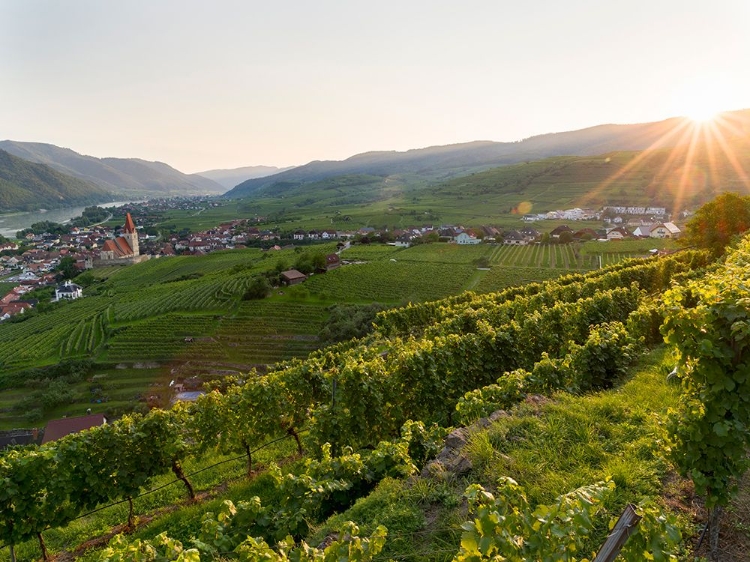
x,y
129,233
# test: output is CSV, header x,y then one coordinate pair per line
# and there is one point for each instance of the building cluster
x,y
607,213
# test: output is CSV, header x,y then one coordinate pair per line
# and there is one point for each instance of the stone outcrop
x,y
451,460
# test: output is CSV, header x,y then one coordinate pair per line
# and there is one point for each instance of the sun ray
x,y
733,161
687,166
643,156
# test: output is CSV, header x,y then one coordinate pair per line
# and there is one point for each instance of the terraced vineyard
x,y
187,313
264,332
553,256
45,337
390,282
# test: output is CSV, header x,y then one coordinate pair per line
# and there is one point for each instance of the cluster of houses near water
x,y
89,247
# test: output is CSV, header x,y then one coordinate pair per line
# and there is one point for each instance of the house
x,y
617,233
299,235
514,238
292,277
665,230
333,261
18,437
585,234
69,291
559,230
529,233
13,308
403,241
643,231
466,238
57,429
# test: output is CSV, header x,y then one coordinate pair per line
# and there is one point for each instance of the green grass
x,y
549,448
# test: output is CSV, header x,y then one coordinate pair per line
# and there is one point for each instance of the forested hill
x,y
230,178
444,162
26,186
126,177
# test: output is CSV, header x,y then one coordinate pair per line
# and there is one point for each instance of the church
x,y
122,250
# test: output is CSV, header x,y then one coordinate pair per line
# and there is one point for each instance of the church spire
x,y
129,224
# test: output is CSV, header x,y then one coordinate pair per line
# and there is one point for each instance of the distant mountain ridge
x,y
229,178
125,177
445,162
27,186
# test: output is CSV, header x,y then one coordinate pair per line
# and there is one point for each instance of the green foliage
x,y
349,546
348,321
708,323
259,288
508,528
608,351
67,269
310,262
715,224
161,549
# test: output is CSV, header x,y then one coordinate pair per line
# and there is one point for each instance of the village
x,y
38,264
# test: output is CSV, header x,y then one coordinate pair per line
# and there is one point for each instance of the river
x,y
12,223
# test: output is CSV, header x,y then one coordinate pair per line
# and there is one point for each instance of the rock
x,y
497,414
457,438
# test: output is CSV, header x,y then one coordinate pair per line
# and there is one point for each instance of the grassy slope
x,y
550,448
140,315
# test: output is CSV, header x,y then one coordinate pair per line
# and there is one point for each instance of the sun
x,y
700,102
703,115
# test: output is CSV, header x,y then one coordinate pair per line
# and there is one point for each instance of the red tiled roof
x,y
65,426
119,246
129,224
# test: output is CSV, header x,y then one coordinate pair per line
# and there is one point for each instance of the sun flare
x,y
701,102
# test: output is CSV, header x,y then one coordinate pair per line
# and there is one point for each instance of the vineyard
x,y
390,282
391,396
146,312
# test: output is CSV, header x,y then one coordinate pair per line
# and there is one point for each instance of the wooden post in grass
x,y
624,527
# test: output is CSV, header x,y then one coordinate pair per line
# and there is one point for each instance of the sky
x,y
219,84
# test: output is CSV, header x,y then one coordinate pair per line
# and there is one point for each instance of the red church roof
x,y
129,224
119,246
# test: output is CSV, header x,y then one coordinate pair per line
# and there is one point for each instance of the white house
x,y
643,231
466,238
69,291
665,230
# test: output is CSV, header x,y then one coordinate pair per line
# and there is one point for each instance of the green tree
x,y
715,224
67,268
258,289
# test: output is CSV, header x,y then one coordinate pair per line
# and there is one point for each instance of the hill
x,y
27,186
677,178
445,162
232,177
125,177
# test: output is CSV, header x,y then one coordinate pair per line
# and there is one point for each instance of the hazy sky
x,y
219,84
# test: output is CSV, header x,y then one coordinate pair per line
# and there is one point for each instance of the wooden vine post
x,y
624,527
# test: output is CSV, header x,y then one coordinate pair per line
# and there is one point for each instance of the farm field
x,y
185,316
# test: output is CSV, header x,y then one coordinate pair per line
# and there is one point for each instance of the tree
x,y
715,224
67,268
258,289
